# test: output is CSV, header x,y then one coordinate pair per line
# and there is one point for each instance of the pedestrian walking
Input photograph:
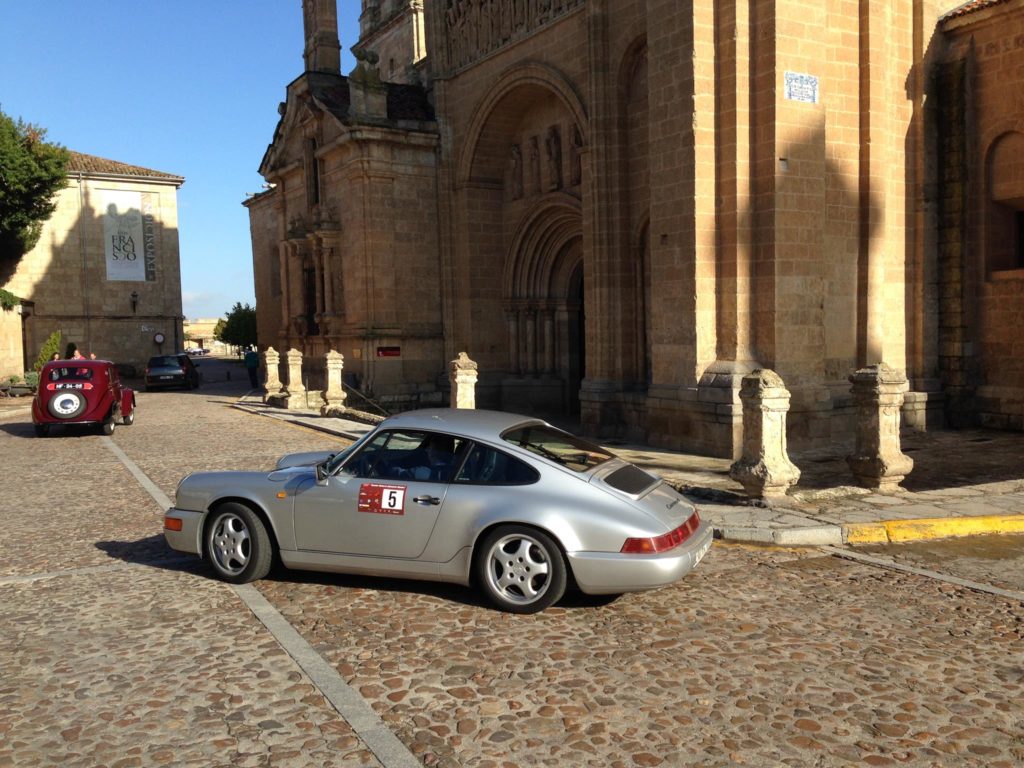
x,y
252,366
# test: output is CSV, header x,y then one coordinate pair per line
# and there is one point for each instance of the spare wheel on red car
x,y
66,404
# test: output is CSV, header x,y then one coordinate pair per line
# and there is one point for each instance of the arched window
x,y
1004,225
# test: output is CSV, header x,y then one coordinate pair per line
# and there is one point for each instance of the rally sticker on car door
x,y
382,499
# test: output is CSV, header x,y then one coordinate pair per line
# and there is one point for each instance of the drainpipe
x,y
85,266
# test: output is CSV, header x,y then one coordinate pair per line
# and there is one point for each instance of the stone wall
x,y
982,130
66,275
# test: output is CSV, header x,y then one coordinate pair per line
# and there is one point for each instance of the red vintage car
x,y
81,392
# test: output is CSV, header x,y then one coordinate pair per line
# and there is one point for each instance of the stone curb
x,y
882,532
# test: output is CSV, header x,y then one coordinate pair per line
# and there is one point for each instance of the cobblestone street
x,y
117,652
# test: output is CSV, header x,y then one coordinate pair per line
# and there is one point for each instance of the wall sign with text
x,y
129,235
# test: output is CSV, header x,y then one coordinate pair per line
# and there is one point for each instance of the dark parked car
x,y
171,371
81,392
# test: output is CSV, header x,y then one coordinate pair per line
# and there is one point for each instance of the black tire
x,y
129,419
237,545
42,430
108,426
521,569
66,404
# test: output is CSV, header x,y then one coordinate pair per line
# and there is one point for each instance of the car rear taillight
x,y
662,543
87,385
51,387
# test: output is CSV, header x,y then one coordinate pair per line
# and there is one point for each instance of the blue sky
x,y
189,87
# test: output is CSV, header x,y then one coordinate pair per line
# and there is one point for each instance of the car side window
x,y
488,466
408,455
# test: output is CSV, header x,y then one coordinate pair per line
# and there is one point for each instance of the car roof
x,y
470,422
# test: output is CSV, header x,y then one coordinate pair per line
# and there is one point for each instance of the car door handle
x,y
427,500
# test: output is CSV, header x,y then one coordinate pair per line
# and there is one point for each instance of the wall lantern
x,y
135,300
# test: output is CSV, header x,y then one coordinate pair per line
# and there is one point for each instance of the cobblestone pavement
x,y
114,652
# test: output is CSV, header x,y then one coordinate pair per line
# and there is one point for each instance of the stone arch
x,y
483,158
542,291
531,270
1003,201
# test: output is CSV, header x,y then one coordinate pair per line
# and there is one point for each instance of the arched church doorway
x,y
545,311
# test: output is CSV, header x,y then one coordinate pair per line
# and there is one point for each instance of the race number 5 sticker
x,y
382,499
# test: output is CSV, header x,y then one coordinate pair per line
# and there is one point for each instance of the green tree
x,y
50,346
32,171
239,328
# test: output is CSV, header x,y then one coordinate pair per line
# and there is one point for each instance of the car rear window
x,y
560,447
70,372
166,360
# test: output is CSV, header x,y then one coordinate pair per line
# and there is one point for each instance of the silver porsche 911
x,y
506,502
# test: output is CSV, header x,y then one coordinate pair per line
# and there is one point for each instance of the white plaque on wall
x,y
122,234
801,87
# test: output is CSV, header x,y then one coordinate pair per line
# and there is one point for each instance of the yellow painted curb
x,y
931,528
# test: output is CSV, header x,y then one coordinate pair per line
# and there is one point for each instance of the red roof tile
x,y
971,7
82,163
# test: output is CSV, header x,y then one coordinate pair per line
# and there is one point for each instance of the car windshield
x,y
332,464
77,374
165,361
560,447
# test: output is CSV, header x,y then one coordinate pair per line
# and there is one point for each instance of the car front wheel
x,y
521,569
237,544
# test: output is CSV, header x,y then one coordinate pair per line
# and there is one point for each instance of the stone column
x,y
296,399
334,395
271,360
530,366
285,290
764,470
462,375
549,342
513,341
877,461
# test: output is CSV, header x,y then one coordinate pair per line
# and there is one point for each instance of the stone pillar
x,y
877,461
764,470
334,395
296,398
462,375
271,361
513,341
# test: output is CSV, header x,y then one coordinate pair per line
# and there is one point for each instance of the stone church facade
x,y
620,207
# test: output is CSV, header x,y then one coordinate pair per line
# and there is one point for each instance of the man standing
x,y
252,366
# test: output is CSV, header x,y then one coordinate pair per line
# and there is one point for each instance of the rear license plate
x,y
702,551
166,377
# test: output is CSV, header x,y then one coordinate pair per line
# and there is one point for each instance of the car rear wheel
x,y
237,544
108,426
129,419
521,569
66,404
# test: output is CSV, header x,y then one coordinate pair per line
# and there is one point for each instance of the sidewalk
x,y
968,482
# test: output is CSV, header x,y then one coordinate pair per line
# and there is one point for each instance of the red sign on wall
x,y
382,499
389,351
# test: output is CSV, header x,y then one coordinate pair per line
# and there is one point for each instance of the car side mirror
x,y
321,474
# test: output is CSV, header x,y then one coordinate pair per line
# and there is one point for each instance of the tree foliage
x,y
32,171
239,327
51,345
